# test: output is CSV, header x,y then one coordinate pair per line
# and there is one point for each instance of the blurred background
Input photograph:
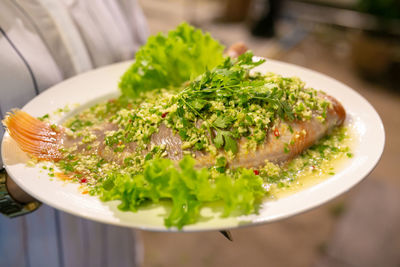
x,y
354,41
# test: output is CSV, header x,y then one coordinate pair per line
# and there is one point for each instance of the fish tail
x,y
35,137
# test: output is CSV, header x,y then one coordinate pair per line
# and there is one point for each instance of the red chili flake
x,y
112,100
276,132
83,180
164,115
313,167
256,172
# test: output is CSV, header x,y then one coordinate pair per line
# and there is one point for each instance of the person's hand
x,y
16,192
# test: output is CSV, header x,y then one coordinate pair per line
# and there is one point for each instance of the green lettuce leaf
x,y
186,187
169,60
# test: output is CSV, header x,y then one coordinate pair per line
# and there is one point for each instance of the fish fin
x,y
35,137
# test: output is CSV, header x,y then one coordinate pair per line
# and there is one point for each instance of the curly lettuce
x,y
187,188
169,60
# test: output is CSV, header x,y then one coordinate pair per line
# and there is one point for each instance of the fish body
x,y
283,142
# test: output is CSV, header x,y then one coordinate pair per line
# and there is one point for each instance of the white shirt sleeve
x,y
41,43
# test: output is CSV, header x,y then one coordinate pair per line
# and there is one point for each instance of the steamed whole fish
x,y
283,141
299,135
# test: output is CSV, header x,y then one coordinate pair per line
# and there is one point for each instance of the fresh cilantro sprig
x,y
222,82
231,82
225,138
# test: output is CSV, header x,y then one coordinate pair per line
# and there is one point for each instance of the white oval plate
x,y
93,86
